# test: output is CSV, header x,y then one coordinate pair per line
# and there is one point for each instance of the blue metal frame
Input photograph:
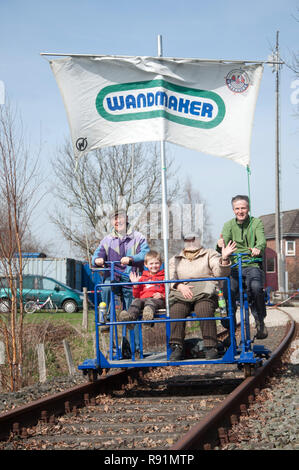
x,y
242,354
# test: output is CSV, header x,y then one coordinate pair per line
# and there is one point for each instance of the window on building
x,y
290,248
270,265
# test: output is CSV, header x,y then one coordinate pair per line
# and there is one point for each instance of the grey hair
x,y
240,197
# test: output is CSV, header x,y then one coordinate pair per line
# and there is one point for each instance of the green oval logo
x,y
159,98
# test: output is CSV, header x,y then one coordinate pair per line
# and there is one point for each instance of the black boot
x,y
177,352
211,353
261,330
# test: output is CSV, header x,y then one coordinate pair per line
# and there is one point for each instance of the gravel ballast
x,y
12,400
272,422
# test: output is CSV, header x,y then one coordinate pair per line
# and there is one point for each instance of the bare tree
x,y
128,176
18,186
294,66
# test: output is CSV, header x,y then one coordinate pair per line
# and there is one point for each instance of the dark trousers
x,y
138,305
253,279
125,293
202,308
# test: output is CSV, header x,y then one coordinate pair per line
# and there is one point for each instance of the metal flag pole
x,y
176,59
164,203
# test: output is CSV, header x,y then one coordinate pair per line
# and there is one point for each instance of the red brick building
x,y
290,249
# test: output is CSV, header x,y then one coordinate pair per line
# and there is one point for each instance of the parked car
x,y
40,287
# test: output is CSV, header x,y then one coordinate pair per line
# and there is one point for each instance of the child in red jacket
x,y
149,297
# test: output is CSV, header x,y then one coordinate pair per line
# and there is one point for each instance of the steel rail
x,y
211,429
63,402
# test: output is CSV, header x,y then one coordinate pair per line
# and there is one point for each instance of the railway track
x,y
169,408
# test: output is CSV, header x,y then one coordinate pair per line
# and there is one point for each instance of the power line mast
x,y
278,231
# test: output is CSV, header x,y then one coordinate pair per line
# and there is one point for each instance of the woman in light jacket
x,y
199,297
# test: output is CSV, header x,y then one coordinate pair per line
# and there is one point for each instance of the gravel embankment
x,y
11,400
273,421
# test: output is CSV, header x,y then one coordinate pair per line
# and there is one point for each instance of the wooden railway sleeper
x,y
24,433
67,407
86,399
234,419
16,429
223,436
44,416
243,409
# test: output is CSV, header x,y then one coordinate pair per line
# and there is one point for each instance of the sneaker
x,y
177,352
105,329
211,353
148,313
261,330
126,316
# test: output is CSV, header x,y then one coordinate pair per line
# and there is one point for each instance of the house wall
x,y
270,262
291,264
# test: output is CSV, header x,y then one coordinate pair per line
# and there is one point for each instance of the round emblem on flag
x,y
81,144
237,81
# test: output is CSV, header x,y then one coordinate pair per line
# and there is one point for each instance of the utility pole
x,y
278,231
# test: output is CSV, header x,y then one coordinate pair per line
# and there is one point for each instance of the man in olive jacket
x,y
248,233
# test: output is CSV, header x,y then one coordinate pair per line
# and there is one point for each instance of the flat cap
x,y
191,235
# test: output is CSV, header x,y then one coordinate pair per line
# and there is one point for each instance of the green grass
x,y
69,327
51,329
73,319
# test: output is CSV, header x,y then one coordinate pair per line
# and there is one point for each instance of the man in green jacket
x,y
248,233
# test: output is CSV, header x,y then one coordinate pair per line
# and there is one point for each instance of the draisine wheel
x,y
248,370
92,375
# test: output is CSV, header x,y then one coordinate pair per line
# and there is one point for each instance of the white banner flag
x,y
208,107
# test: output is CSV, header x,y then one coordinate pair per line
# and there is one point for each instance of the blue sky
x,y
212,30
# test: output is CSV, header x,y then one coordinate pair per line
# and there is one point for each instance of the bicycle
x,y
33,305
